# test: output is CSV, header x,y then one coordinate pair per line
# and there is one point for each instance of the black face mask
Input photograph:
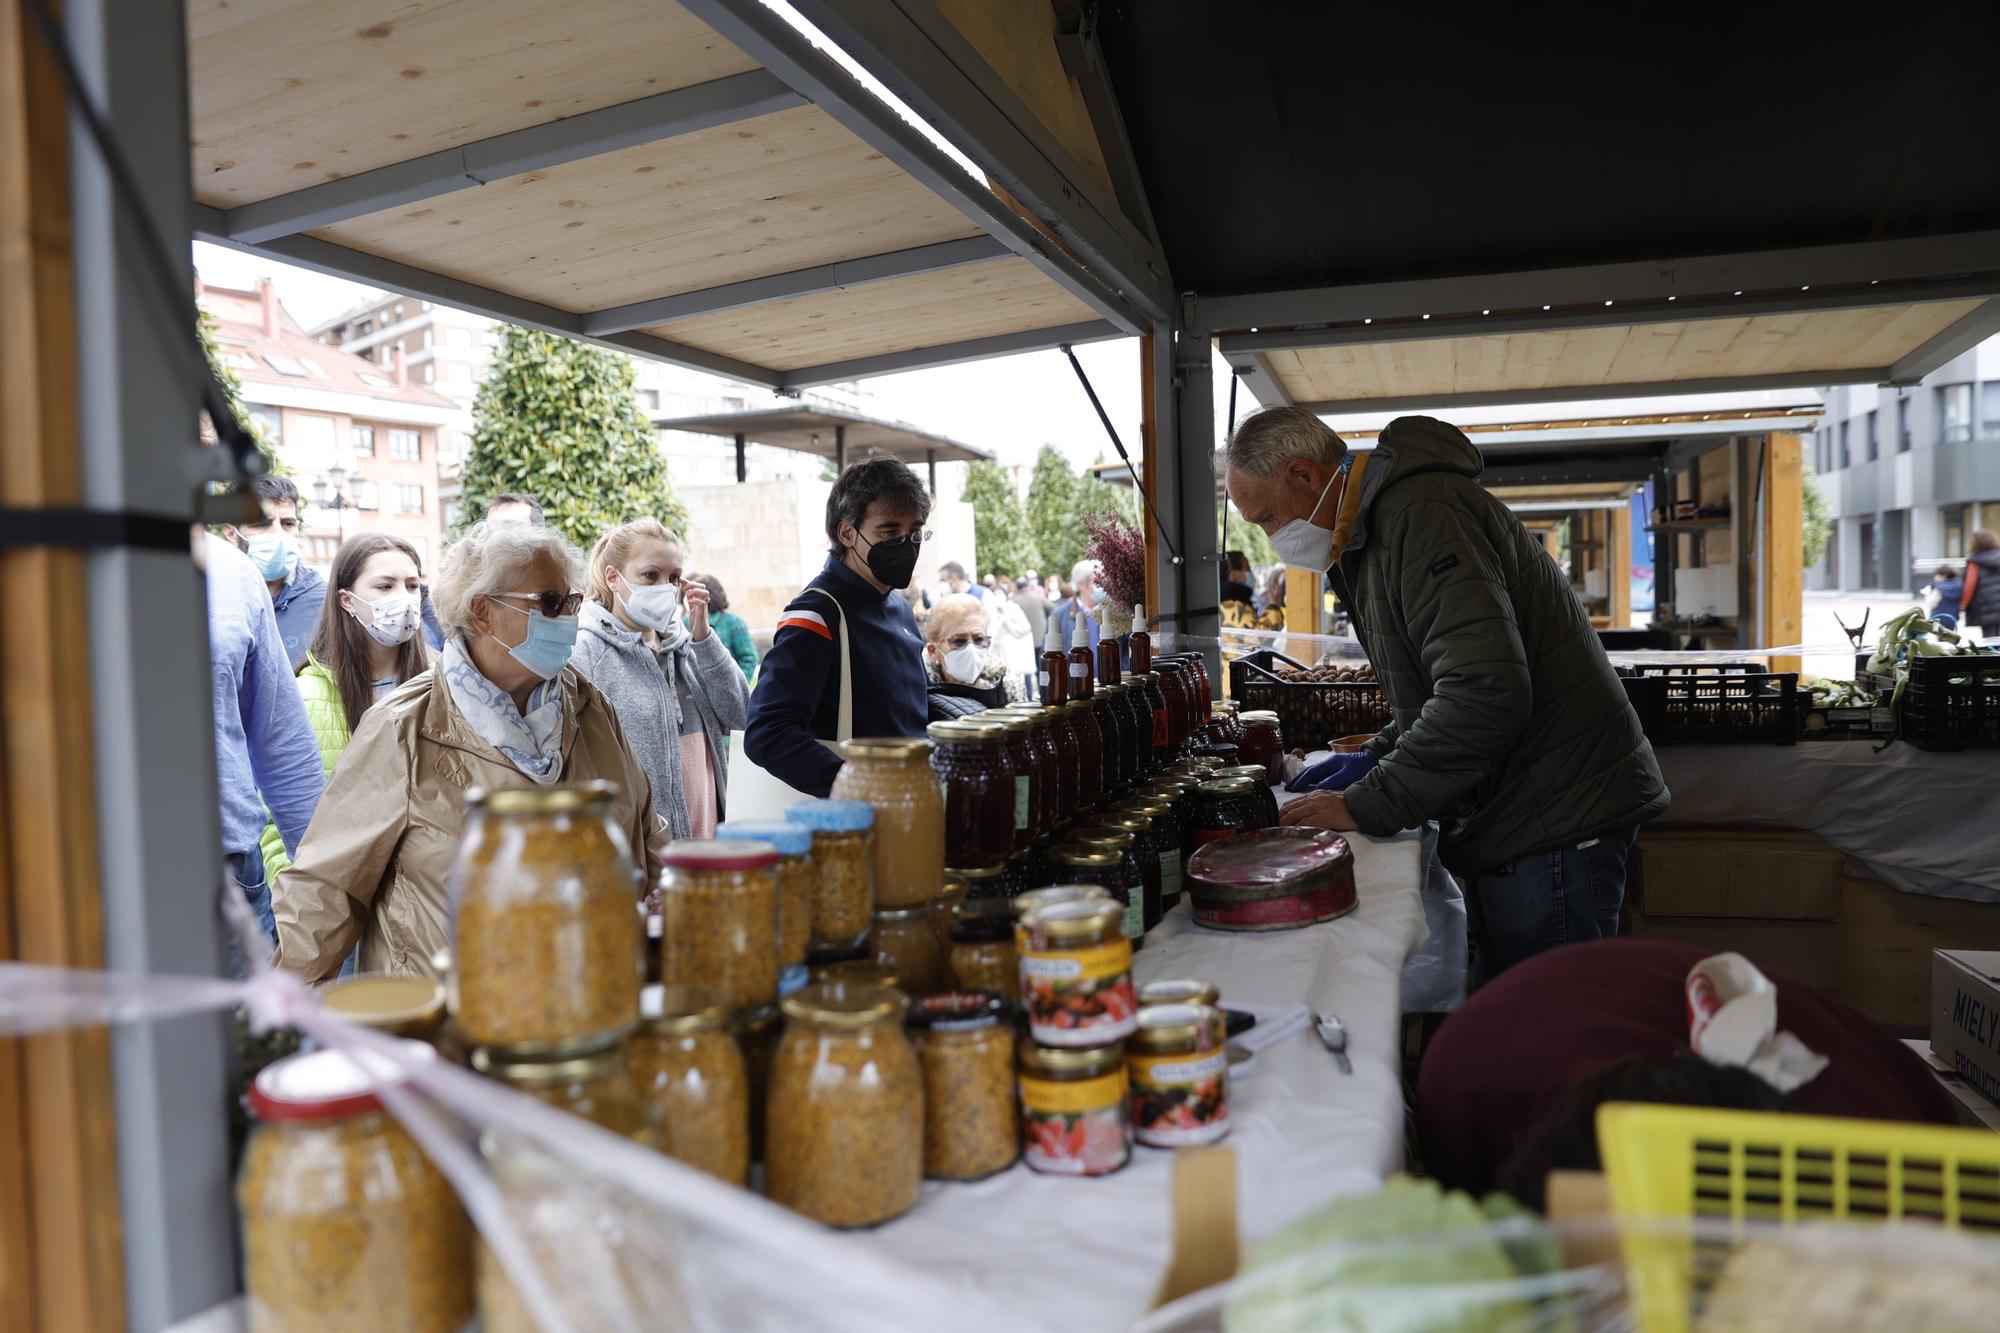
x,y
892,562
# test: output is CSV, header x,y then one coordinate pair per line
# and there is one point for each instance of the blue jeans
x,y
1544,900
247,869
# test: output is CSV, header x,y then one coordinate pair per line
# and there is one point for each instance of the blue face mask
x,y
274,553
548,646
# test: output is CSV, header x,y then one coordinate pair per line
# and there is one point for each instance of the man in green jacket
x,y
1509,726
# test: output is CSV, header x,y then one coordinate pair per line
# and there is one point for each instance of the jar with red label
x,y
1223,808
1019,737
1082,717
1076,971
1263,743
1180,1076
977,782
1074,1109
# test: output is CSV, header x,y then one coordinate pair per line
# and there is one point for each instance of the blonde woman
x,y
676,689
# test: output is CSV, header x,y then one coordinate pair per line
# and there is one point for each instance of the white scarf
x,y
532,742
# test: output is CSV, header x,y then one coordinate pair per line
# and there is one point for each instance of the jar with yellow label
x,y
895,778
1076,973
845,1127
689,1066
798,879
844,857
1180,1076
346,1223
965,1046
719,919
1074,1110
903,942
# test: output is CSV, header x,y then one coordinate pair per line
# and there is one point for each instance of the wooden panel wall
x,y
1017,37
60,1245
1783,546
1618,565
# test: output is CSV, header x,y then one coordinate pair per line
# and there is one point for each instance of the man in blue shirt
x,y
1083,578
297,591
875,519
265,753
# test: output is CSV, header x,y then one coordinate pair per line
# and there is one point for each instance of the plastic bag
x,y
1434,975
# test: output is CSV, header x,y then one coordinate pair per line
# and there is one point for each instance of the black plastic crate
x,y
1953,703
1722,708
1310,712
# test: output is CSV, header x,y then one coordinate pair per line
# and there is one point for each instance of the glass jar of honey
x,y
904,942
719,919
1019,738
843,834
894,777
970,759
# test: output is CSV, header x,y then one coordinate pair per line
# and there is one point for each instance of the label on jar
x,y
1077,671
1162,733
1170,877
1075,1128
1020,803
1135,914
1179,1100
1045,682
1080,997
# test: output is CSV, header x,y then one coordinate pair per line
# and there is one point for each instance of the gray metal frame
x,y
1083,60
948,354
1185,490
153,741
1574,392
647,120
1962,336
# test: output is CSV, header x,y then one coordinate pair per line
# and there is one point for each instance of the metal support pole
x,y
742,463
154,746
930,466
839,449
1185,406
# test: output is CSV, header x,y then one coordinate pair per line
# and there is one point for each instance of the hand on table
x,y
1319,809
696,596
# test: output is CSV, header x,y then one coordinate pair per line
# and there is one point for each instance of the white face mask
x,y
653,607
393,619
963,665
1303,544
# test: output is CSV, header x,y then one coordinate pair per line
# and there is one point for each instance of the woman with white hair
x,y
963,673
502,708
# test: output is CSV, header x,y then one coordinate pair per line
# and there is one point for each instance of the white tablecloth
x,y
1924,821
1087,1254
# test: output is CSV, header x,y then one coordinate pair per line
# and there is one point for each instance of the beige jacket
x,y
372,864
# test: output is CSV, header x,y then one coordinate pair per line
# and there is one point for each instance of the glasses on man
x,y
910,538
550,604
958,641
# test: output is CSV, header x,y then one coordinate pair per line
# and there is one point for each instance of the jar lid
x,y
1228,786
378,1000
524,1070
558,800
1027,710
957,1011
718,854
1075,704
1227,706
1075,919
862,971
1171,1024
973,874
1024,903
1150,806
1257,773
966,731
754,1022
1070,1062
1143,677
1007,721
984,925
1173,784
841,1004
1099,835
917,913
1070,854
824,815
676,1009
1179,990
1258,717
832,954
886,747
1198,763
330,1084
1124,818
790,839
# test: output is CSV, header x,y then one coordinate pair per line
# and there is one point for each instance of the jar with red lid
x,y
346,1223
1019,738
1263,742
719,918
1082,717
970,760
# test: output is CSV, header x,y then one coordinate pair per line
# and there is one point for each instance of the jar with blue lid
x,y
798,878
843,848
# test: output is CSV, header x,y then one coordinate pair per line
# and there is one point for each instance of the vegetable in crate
x,y
1913,634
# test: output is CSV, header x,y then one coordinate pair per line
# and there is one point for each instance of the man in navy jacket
x,y
875,520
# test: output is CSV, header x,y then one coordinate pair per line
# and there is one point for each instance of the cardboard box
x,y
1974,1111
1775,876
1965,1016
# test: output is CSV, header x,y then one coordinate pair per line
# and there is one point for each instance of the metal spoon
x,y
1333,1036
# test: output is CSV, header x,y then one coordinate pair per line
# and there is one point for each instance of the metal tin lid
x,y
1070,854
839,1004
862,971
672,1010
886,747
1172,1024
1228,787
718,854
1075,705
1172,785
1028,710
824,815
1272,860
559,800
966,731
1067,1063
1124,819
378,1000
330,1084
957,1011
1075,919
524,1070
1023,903
1179,990
974,874
790,839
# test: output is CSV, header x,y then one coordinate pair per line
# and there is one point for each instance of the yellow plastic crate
x,y
1728,1168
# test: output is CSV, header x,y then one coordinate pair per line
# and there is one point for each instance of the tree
x,y
1058,541
1817,524
999,526
559,420
232,392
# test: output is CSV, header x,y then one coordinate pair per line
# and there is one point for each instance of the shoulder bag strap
x,y
843,727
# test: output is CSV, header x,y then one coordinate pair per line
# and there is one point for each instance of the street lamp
x,y
335,499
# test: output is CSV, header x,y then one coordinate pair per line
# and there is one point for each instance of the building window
x,y
1951,518
286,365
1874,438
409,499
1903,425
1989,407
375,381
362,328
367,495
321,550
1955,413
649,399
1845,457
406,446
364,440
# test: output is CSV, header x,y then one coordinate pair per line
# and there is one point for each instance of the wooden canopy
x,y
828,433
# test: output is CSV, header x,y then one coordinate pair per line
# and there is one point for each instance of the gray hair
x,y
487,559
1267,440
949,608
1081,570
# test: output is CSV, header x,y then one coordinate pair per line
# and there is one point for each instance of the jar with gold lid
x,y
894,777
904,942
1180,1076
1131,851
1076,972
1166,827
1075,1107
965,1046
1045,798
596,1085
1224,807
689,1066
1267,801
1111,867
982,948
977,779
1022,757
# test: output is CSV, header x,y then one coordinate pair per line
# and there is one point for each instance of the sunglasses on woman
x,y
550,604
